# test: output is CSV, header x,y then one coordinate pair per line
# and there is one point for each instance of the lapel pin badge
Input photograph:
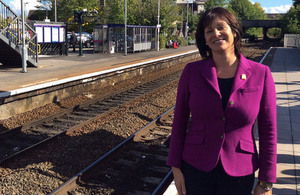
x,y
243,77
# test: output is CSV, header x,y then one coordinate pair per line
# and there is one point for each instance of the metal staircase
x,y
11,39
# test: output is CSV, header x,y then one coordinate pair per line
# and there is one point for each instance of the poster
x,y
62,34
55,34
39,31
47,34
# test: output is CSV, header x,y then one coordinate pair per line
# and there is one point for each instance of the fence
x,y
292,40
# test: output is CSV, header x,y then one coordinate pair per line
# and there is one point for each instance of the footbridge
x,y
265,24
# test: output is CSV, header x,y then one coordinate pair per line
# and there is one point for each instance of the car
x,y
86,39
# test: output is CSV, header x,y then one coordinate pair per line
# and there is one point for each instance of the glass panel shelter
x,y
109,38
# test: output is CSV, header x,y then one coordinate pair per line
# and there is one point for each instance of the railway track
x,y
140,160
15,142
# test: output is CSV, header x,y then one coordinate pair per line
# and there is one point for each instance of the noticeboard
x,y
39,31
55,31
50,33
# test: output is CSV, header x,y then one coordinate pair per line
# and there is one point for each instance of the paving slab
x,y
287,81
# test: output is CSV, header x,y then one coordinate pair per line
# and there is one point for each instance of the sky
x,y
275,6
270,6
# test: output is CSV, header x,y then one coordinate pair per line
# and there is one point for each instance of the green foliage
x,y
245,10
296,2
114,12
142,12
65,11
213,3
256,32
274,32
162,41
182,41
193,20
290,20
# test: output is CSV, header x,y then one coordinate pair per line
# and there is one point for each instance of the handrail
x,y
11,28
8,8
29,27
7,26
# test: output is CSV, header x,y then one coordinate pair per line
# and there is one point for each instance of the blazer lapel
x,y
210,75
242,75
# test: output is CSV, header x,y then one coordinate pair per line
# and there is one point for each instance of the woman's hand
x,y
179,181
259,191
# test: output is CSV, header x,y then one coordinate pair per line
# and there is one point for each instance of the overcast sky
x,y
270,6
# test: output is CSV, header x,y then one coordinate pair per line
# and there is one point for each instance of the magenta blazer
x,y
228,135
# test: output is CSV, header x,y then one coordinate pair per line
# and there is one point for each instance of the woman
x,y
223,95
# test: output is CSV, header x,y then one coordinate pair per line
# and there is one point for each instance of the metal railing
x,y
11,28
292,40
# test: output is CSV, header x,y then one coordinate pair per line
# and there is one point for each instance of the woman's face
x,y
219,37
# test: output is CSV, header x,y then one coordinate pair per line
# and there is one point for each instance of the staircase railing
x,y
11,28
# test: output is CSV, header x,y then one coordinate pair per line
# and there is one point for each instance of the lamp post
x,y
25,7
125,35
158,25
55,11
24,65
187,19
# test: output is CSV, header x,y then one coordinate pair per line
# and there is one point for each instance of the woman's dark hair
x,y
206,19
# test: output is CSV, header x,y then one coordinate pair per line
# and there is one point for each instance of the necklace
x,y
226,71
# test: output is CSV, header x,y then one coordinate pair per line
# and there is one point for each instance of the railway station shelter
x,y
109,38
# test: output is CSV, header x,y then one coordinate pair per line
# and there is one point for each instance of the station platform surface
x,y
53,68
286,73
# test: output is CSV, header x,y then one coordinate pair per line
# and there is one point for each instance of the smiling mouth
x,y
219,41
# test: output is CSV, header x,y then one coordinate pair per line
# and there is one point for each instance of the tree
x,y
66,7
65,11
142,12
290,20
296,2
193,20
169,13
47,6
245,10
212,3
114,12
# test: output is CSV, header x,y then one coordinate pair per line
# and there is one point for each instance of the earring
x,y
205,43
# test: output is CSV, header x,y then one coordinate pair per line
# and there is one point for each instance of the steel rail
x,y
72,183
88,119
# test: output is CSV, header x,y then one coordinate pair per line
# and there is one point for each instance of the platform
x,y
285,69
53,68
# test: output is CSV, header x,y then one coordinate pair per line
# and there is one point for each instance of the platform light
x,y
55,12
125,35
24,54
158,25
